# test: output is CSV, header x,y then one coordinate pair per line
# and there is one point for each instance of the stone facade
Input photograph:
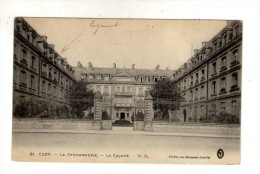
x,y
210,81
123,90
40,74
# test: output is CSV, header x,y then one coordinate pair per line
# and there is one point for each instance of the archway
x,y
184,114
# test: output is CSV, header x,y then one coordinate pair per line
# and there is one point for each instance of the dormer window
x,y
106,77
91,77
223,61
140,79
98,77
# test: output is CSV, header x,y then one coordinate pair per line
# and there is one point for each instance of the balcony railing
x,y
123,93
234,88
223,68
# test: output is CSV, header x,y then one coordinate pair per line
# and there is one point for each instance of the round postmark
x,y
220,153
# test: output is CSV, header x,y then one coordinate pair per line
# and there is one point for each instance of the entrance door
x,y
184,114
122,116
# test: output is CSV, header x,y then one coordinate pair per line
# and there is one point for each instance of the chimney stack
x,y
44,38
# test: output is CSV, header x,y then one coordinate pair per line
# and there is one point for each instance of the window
x,y
91,77
202,107
202,91
106,77
223,61
24,55
148,79
196,93
123,89
222,107
215,46
106,89
155,79
140,79
50,75
214,87
234,107
223,84
191,80
235,55
140,90
32,83
33,62
224,40
28,37
191,95
43,86
220,43
23,78
230,36
54,90
184,84
49,89
214,68
18,28
99,88
118,89
236,29
128,89
234,80
197,78
98,77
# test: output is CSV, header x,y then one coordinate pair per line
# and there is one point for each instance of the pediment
x,y
123,74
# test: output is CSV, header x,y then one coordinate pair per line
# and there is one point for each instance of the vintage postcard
x,y
127,90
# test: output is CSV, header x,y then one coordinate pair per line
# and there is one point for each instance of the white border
x,y
248,11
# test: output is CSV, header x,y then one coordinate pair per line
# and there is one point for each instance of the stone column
x,y
97,111
149,113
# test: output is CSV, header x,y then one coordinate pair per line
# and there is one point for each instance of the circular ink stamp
x,y
220,153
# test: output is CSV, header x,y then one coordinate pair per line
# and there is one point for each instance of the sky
x,y
145,43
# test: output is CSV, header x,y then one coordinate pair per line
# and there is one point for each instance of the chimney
x,y
52,46
114,65
79,64
44,38
133,66
204,44
196,51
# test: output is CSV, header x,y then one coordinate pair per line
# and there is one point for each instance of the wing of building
x,y
40,73
210,81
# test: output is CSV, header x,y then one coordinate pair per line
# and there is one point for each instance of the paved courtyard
x,y
127,148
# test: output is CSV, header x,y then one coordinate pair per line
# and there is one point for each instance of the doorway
x,y
184,114
122,116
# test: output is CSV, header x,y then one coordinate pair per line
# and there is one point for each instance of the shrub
x,y
105,116
22,110
227,118
139,116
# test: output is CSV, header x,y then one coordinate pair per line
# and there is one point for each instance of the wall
x,y
213,129
38,125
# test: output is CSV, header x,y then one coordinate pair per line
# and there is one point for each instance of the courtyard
x,y
122,146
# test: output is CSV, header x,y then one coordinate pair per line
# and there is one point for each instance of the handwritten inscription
x,y
98,26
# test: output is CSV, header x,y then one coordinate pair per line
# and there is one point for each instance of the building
x,y
123,89
40,73
210,81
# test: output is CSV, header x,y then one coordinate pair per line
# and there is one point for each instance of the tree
x,y
166,96
81,98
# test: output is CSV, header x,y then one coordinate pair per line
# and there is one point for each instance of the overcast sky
x,y
126,41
